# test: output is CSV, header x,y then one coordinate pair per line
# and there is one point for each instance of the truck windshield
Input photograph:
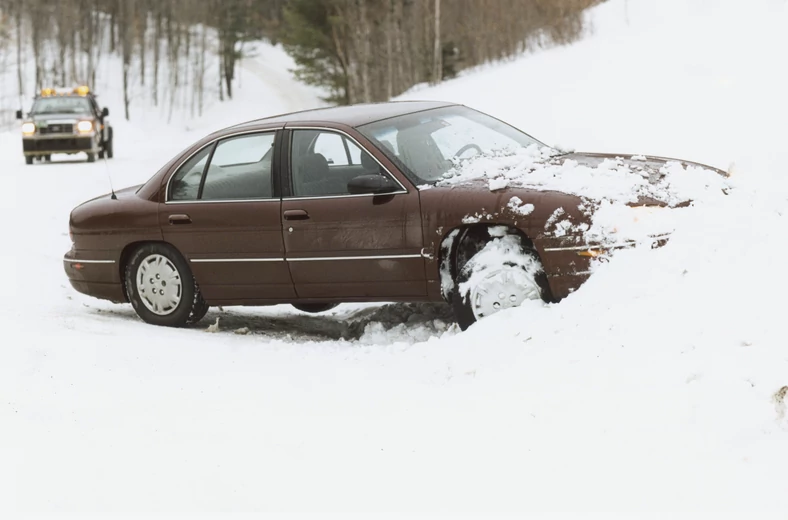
x,y
425,145
61,105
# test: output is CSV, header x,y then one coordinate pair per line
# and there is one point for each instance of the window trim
x,y
288,172
214,142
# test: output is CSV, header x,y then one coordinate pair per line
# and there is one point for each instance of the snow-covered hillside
x,y
658,386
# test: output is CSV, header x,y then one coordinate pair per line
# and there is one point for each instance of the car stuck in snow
x,y
399,201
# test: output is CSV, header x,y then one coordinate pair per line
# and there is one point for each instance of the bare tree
x,y
437,50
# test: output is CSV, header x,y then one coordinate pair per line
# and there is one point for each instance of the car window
x,y
240,169
323,162
185,183
331,146
61,105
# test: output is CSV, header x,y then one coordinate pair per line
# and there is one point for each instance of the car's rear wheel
x,y
161,287
314,307
503,274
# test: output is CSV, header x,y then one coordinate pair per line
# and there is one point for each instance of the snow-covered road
x,y
659,386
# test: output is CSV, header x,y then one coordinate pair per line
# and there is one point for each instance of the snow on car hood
x,y
597,177
611,187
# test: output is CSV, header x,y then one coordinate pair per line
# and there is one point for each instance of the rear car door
x,y
223,213
343,245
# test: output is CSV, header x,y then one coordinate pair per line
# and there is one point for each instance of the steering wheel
x,y
467,147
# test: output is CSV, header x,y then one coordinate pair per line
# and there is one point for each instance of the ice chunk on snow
x,y
517,206
554,217
498,183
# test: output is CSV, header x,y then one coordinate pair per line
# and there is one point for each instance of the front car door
x,y
222,212
343,245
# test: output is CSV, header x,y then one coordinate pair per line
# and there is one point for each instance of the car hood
x,y
501,175
652,164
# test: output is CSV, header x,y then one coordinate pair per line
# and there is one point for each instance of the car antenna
x,y
112,189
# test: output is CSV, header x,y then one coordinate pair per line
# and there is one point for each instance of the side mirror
x,y
371,184
105,112
19,114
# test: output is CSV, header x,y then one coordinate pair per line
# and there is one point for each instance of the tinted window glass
x,y
185,183
331,146
337,149
323,162
240,168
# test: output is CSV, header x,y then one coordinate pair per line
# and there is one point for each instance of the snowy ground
x,y
656,387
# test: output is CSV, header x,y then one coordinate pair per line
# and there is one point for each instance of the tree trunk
x,y
19,74
156,53
437,66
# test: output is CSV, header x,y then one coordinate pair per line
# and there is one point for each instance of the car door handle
x,y
296,214
180,219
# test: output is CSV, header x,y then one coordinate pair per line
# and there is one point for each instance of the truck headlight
x,y
28,128
85,126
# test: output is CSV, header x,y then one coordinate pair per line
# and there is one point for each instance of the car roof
x,y
351,115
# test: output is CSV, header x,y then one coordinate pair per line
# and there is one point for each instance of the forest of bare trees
x,y
357,50
371,50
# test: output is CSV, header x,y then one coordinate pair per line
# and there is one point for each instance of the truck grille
x,y
63,128
57,145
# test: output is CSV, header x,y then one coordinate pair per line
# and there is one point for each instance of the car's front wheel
x,y
503,274
161,287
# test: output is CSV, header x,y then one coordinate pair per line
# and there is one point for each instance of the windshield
x,y
426,145
61,105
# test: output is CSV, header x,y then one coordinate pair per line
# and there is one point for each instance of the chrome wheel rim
x,y
502,288
159,285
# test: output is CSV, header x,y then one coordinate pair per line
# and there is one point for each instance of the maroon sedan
x,y
327,206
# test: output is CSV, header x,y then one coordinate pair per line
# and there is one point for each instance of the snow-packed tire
x,y
161,287
314,308
502,274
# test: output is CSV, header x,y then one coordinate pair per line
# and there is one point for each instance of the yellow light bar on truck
x,y
82,90
46,92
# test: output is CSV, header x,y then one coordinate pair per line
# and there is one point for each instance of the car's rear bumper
x,y
94,274
59,144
